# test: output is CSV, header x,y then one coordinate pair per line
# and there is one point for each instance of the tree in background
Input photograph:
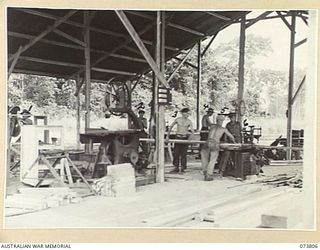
x,y
265,90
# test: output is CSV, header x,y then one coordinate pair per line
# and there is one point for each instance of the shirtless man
x,y
180,149
211,150
206,124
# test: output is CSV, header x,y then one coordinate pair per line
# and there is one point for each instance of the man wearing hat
x,y
180,149
234,127
142,119
206,123
211,149
26,117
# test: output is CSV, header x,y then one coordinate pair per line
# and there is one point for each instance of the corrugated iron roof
x,y
61,53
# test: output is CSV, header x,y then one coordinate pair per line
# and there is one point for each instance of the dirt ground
x,y
179,192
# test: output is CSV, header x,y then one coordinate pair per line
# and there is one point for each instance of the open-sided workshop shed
x,y
106,45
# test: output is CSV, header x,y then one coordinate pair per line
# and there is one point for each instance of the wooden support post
x,y
241,67
129,87
290,88
87,70
160,118
198,85
78,112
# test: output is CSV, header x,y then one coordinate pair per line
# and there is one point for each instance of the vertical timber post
x,y
241,67
159,109
129,85
87,70
198,85
78,112
290,88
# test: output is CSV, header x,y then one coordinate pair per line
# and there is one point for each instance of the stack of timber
x,y
120,181
34,199
293,180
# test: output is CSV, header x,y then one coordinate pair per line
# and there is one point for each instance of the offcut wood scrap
x,y
293,180
290,179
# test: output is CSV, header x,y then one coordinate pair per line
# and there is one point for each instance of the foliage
x,y
265,90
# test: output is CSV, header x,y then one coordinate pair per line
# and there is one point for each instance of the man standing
x,y
234,127
206,123
211,149
180,149
26,120
142,119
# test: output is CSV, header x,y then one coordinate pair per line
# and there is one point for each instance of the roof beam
x,y
266,18
217,28
135,36
304,19
173,25
39,73
71,38
215,14
166,47
187,63
133,50
106,55
117,72
73,46
258,18
45,32
186,29
73,23
53,62
80,25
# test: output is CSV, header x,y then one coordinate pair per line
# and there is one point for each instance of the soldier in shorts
x,y
180,149
211,149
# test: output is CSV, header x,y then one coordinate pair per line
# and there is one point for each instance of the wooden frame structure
x,y
135,45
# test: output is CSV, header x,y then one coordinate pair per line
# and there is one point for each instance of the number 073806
x,y
305,245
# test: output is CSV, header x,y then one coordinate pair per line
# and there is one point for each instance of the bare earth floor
x,y
182,201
